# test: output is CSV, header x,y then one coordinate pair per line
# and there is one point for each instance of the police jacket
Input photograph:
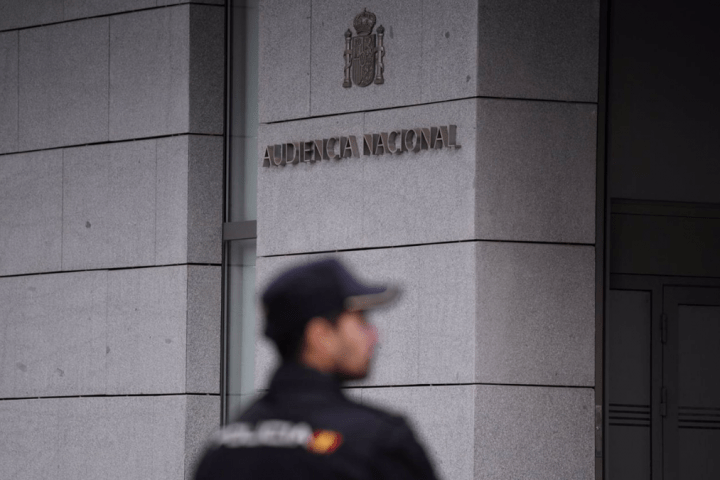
x,y
305,428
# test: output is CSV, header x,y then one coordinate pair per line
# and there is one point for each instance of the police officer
x,y
304,427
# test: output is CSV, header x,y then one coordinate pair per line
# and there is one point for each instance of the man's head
x,y
315,314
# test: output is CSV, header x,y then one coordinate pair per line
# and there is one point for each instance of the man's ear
x,y
319,336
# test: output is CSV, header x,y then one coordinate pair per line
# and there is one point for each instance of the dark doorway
x,y
662,334
664,360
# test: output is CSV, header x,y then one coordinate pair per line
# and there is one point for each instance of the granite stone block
x,y
430,54
284,59
205,199
89,8
149,73
22,13
204,287
109,205
539,50
526,172
373,200
534,432
30,212
102,437
202,418
9,78
441,417
449,50
535,314
64,84
147,330
189,200
53,340
171,219
403,39
535,171
427,196
309,206
207,69
427,335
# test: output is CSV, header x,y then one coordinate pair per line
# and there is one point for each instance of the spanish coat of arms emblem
x,y
364,52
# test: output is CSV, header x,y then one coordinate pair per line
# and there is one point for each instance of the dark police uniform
x,y
305,428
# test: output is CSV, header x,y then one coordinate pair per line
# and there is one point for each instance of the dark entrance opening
x,y
662,334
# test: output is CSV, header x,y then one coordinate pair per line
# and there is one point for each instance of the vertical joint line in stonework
x,y
107,324
422,29
62,204
311,57
17,145
155,189
187,320
108,76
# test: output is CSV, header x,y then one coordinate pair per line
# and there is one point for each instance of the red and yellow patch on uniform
x,y
324,442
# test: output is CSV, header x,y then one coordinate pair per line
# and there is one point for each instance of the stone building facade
x,y
111,167
538,177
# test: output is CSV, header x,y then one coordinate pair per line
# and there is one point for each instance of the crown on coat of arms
x,y
364,22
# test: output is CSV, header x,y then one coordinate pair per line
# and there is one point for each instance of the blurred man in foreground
x,y
304,427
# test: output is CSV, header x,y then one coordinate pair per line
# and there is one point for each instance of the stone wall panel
x,y
31,199
64,84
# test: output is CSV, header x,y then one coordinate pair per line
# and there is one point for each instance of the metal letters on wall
x,y
364,52
395,142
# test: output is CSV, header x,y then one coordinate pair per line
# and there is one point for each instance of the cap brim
x,y
371,300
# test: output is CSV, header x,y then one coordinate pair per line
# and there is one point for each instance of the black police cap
x,y
312,290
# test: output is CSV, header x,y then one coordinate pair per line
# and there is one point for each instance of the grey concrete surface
x,y
149,73
88,8
204,302
534,432
536,171
300,205
54,335
9,76
428,334
381,200
535,314
434,51
30,212
440,416
284,68
538,49
134,438
205,199
64,84
189,200
426,196
119,332
21,13
449,50
147,330
171,220
202,413
109,205
152,202
526,171
207,69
